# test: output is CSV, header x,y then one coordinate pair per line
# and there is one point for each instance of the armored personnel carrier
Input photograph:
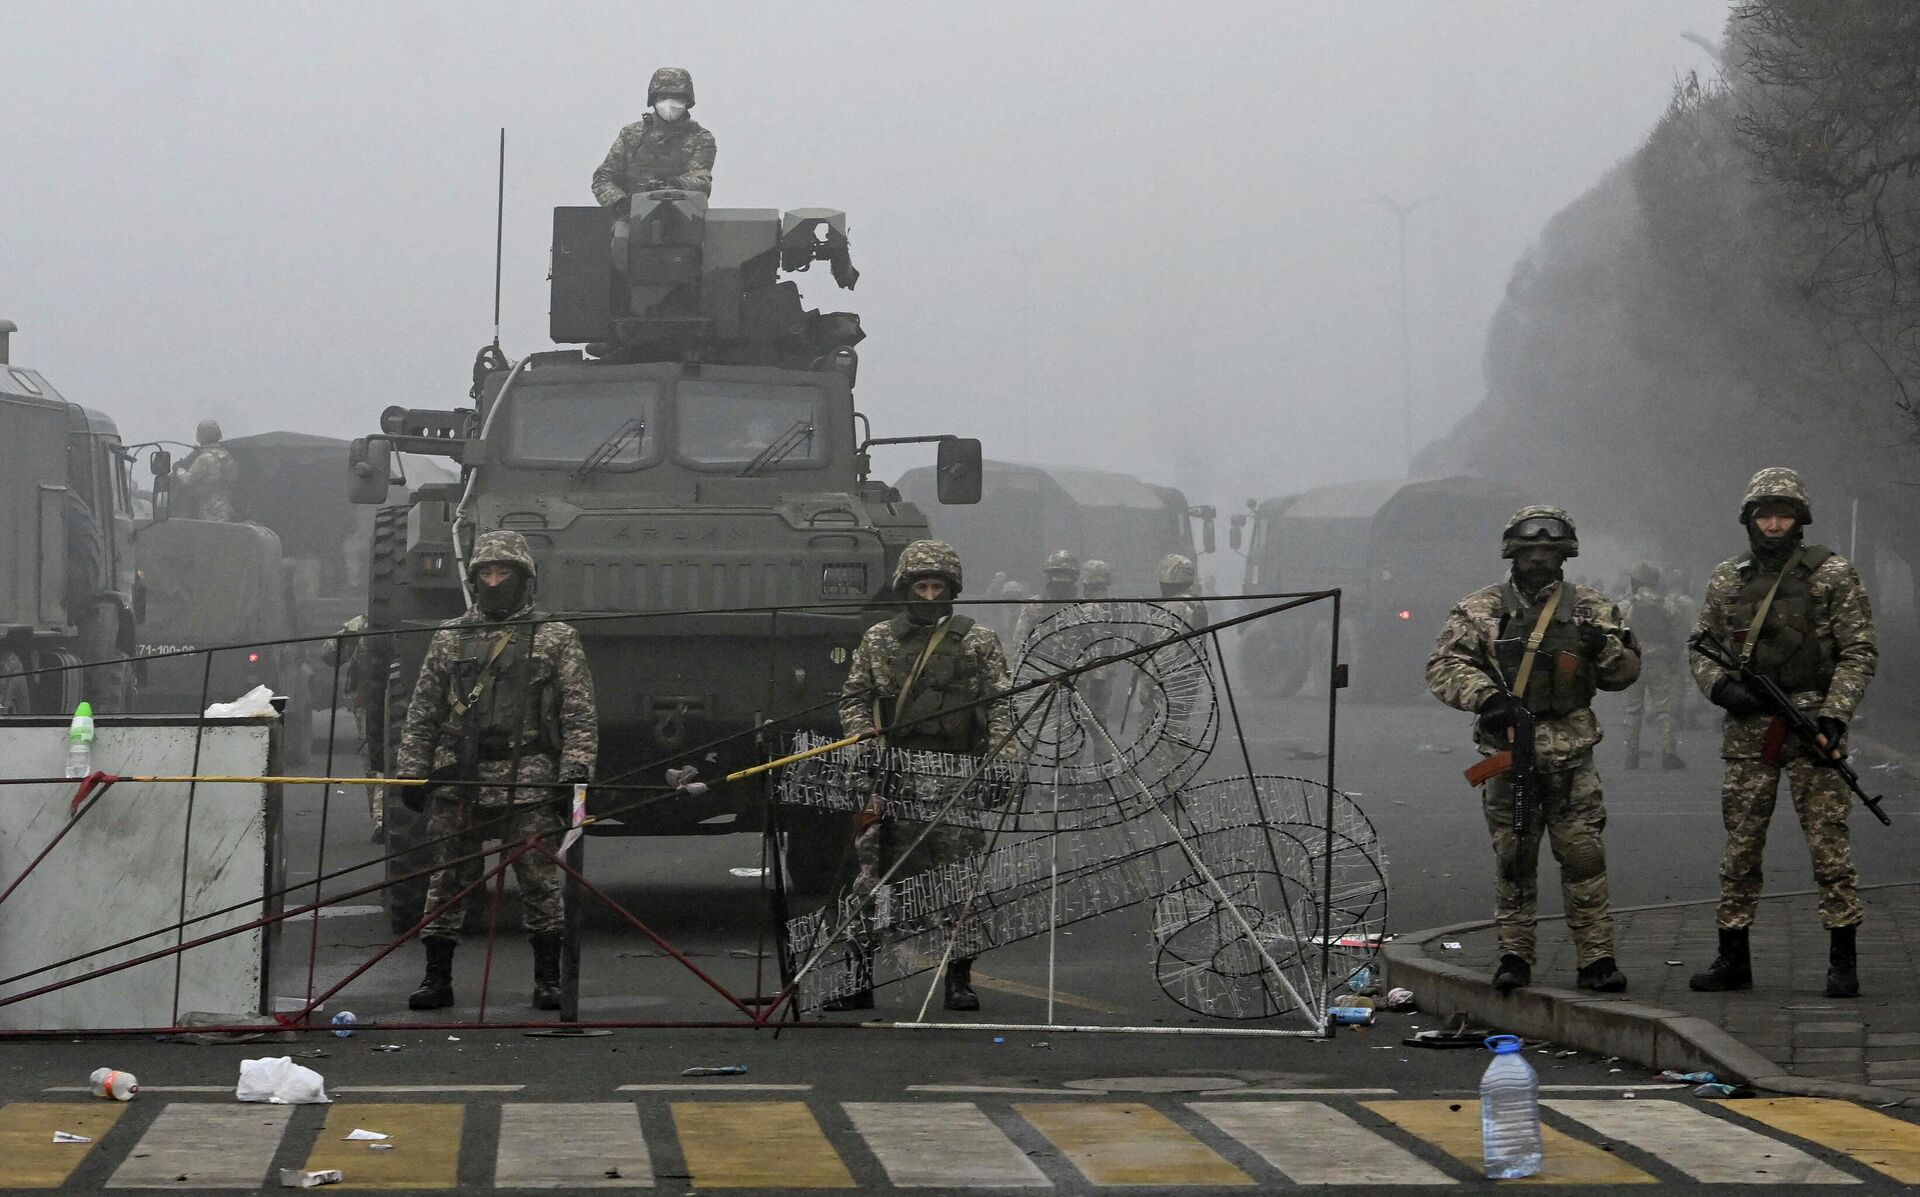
x,y
699,462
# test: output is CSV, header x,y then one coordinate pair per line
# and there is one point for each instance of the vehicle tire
x,y
1271,663
819,851
15,698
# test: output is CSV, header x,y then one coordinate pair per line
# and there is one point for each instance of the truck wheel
x,y
14,696
819,851
1270,664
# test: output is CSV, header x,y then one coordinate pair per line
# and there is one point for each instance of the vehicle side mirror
x,y
957,470
1207,542
1234,525
161,463
369,470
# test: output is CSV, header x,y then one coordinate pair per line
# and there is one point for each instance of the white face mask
x,y
670,110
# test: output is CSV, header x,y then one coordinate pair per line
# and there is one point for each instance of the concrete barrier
x,y
122,869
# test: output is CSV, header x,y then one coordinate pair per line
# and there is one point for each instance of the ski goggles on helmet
x,y
1541,528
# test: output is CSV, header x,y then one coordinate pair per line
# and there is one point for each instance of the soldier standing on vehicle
x,y
1539,643
203,482
1798,614
1655,621
664,150
926,672
503,697
1062,585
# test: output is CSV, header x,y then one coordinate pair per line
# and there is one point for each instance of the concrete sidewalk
x,y
1782,1035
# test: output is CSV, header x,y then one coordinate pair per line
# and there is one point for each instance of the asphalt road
x,y
849,1097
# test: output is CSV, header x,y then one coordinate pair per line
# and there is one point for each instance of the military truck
x,y
1402,552
1027,511
67,594
700,463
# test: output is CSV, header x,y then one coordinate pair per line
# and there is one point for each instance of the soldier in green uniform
x,y
665,149
1797,613
507,699
919,671
203,482
1541,642
1062,584
1655,620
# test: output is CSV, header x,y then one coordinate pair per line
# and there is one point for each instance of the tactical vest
x,y
1654,624
661,152
1563,680
1789,652
944,682
509,703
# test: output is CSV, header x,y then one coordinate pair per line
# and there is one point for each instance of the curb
x,y
1652,1037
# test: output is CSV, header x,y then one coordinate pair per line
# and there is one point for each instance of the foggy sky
x,y
1125,235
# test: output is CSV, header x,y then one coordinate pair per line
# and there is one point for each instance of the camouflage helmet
x,y
1777,482
1643,573
1095,572
1175,570
670,81
928,559
1533,525
208,433
1062,561
502,548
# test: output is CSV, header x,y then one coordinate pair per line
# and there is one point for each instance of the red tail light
x,y
254,658
1406,615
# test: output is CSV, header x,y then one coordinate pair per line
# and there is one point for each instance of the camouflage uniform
x,y
1818,644
1062,578
1177,576
366,694
1478,643
1686,608
556,740
1656,623
205,480
652,153
966,665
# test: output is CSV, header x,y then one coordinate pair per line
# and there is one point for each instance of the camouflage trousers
x,y
880,846
1652,699
1821,800
507,815
1570,811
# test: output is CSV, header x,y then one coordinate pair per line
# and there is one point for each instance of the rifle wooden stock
x,y
1490,767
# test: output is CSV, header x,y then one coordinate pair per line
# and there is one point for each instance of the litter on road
x,y
300,1178
715,1070
361,1135
69,1137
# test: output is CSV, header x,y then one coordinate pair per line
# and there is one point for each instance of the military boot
x,y
960,995
1512,974
862,996
1602,976
1843,979
1731,969
546,970
436,988
1633,758
1671,761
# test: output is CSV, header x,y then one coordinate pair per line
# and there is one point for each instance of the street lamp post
x,y
1401,210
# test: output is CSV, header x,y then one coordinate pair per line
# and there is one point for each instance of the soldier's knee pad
x,y
1583,860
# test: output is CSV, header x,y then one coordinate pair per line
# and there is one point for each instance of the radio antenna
x,y
499,227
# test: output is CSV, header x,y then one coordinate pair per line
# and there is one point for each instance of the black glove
x,y
1496,716
1731,695
1834,730
414,798
1593,641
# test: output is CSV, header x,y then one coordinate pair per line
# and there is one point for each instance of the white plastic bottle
x,y
121,1086
1509,1112
80,741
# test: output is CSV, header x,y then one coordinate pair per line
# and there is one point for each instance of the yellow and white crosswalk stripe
x,y
1314,1144
950,1144
1702,1146
1454,1127
942,1144
198,1145
572,1145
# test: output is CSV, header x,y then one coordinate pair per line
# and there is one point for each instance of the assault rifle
x,y
1517,764
1798,723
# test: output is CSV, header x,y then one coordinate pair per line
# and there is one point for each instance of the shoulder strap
x,y
485,681
926,654
1752,640
1539,633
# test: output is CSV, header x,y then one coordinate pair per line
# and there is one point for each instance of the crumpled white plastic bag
x,y
277,1080
257,701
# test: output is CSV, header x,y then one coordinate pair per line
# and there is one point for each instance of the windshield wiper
x,y
633,430
783,447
